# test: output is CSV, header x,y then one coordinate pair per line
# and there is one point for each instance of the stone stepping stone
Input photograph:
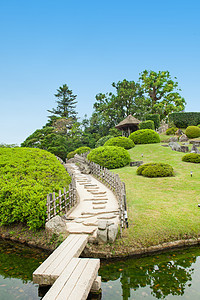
x,y
88,223
106,217
99,202
81,229
99,207
97,213
90,185
97,193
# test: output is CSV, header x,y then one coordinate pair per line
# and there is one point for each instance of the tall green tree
x,y
161,93
66,103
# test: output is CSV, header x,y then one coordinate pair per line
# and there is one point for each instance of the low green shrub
x,y
155,118
191,157
155,170
120,141
27,176
110,157
71,154
171,131
145,136
82,150
198,125
102,140
192,132
149,124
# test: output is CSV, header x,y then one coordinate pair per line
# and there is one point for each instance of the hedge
x,y
149,124
185,119
27,176
155,118
110,157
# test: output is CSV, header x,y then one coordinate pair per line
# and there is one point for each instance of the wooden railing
x,y
113,181
64,202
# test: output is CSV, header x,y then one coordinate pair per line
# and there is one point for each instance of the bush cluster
x,y
27,176
102,140
185,119
149,124
192,157
120,141
155,118
192,132
110,157
171,131
79,150
145,136
155,170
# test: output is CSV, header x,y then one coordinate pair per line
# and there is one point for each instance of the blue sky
x,y
88,45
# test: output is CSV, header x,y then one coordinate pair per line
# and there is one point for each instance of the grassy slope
x,y
161,209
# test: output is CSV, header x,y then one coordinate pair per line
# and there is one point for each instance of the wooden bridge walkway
x,y
71,277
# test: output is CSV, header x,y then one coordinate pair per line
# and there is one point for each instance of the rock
x,y
175,146
184,149
102,235
173,139
112,233
179,132
194,149
102,225
183,138
56,225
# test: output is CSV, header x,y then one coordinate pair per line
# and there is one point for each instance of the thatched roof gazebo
x,y
128,125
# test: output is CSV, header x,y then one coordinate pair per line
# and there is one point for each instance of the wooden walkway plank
x,y
76,280
50,269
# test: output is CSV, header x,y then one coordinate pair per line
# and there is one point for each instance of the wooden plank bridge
x,y
71,277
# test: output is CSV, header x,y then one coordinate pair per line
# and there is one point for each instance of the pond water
x,y
172,275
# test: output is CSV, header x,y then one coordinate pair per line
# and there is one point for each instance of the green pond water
x,y
174,275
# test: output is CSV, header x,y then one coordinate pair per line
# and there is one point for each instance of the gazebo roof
x,y
128,121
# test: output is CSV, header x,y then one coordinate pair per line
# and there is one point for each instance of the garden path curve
x,y
96,202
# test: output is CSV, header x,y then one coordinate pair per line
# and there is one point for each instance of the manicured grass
x,y
161,209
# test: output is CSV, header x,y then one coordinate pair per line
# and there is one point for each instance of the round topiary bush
x,y
192,157
71,154
120,141
145,136
155,170
110,157
81,150
102,140
192,132
171,131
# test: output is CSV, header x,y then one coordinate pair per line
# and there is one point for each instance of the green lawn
x,y
161,209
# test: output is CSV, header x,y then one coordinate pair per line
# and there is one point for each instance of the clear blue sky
x,y
88,45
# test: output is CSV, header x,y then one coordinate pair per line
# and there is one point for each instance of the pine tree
x,y
66,103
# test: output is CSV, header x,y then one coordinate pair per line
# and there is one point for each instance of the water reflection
x,y
164,275
17,263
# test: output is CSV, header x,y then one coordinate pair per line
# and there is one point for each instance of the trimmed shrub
x,y
102,140
120,141
149,124
81,150
198,125
145,136
27,176
71,154
155,118
192,132
155,170
185,119
110,157
192,157
171,131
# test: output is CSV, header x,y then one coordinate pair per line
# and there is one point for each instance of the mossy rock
x,y
191,157
120,141
155,170
145,136
110,157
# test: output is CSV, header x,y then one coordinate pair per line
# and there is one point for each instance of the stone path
x,y
96,203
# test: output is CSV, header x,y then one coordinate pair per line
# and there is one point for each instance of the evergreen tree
x,y
66,103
